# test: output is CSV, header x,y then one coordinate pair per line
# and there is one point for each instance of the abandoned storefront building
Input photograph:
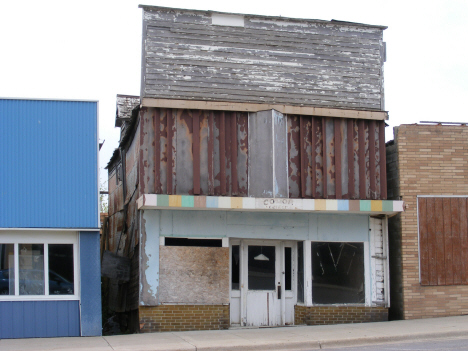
x,y
249,187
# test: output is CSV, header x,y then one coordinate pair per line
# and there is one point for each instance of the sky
x,y
91,50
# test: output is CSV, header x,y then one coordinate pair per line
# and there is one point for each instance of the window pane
x,y
7,269
31,269
300,271
262,268
61,277
338,273
235,265
287,268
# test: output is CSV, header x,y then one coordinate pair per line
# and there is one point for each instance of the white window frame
x,y
42,237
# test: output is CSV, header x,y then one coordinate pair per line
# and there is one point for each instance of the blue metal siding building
x,y
49,200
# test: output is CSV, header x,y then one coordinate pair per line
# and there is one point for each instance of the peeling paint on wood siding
x,y
340,153
269,60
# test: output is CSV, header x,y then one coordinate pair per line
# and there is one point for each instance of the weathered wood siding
x,y
443,240
267,60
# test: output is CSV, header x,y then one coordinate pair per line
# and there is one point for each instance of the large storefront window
x,y
337,273
37,269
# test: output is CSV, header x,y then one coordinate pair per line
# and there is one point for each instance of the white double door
x,y
267,282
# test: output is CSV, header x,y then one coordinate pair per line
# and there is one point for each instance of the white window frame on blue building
x,y
46,238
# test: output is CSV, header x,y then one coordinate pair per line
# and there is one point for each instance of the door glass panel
x,y
235,264
61,269
287,268
261,268
300,271
31,269
7,269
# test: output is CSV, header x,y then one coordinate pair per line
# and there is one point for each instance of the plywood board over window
x,y
443,240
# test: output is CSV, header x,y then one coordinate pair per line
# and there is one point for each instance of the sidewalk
x,y
284,338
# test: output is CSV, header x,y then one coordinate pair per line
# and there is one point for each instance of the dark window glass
x,y
235,267
261,268
300,271
61,278
7,269
337,273
31,269
193,242
287,268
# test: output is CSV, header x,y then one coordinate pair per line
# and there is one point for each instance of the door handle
x,y
278,291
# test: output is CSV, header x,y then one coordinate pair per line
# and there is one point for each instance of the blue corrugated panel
x,y
48,164
33,319
91,320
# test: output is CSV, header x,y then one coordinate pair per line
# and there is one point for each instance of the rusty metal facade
x,y
336,158
194,152
201,152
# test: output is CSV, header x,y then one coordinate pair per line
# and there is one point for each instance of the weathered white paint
x,y
149,257
378,260
262,307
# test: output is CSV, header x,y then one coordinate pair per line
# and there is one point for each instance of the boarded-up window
x,y
443,240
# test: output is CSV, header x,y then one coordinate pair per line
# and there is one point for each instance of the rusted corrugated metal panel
x,y
350,151
334,158
197,152
157,150
373,189
383,161
242,152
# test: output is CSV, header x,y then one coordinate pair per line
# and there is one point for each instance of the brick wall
x,y
183,317
317,315
431,160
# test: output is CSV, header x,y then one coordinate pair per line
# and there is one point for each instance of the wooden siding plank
x,y
438,214
157,150
222,152
456,250
431,242
196,151
252,107
362,160
350,133
211,153
372,156
383,161
423,240
234,117
448,242
338,192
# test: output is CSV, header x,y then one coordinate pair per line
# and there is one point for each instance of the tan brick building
x,y
428,242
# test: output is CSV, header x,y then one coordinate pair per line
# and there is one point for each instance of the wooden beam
x,y
251,107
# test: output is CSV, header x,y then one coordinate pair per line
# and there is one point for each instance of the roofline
x,y
335,22
46,99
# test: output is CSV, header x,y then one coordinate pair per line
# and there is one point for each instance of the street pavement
x,y
258,339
